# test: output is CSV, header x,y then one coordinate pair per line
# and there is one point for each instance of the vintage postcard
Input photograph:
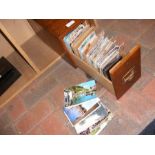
x,y
77,113
78,94
92,123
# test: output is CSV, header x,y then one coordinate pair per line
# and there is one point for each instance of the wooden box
x,y
123,75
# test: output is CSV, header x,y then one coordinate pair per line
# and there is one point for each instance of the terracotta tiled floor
x,y
38,108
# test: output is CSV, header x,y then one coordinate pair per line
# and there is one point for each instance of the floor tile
x,y
110,97
104,24
68,76
149,91
16,108
32,117
143,81
2,110
54,125
56,96
8,130
149,62
35,131
39,91
148,38
4,120
110,101
144,51
136,106
132,28
25,123
120,125
100,90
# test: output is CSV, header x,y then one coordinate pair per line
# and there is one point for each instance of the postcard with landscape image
x,y
92,123
80,93
77,113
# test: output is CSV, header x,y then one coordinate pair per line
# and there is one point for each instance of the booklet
x,y
81,93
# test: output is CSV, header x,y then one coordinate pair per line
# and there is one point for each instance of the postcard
x,y
98,126
69,38
77,113
91,124
78,94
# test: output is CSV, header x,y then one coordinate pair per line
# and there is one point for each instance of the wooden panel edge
x,y
19,49
136,50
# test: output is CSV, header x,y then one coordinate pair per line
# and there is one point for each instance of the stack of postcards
x,y
97,50
85,111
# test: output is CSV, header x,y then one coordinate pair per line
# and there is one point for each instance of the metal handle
x,y
129,75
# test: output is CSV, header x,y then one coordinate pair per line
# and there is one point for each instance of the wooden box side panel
x,y
93,73
125,73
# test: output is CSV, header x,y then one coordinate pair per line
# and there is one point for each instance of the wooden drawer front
x,y
57,27
126,72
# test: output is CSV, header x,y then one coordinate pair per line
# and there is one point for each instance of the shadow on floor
x,y
150,129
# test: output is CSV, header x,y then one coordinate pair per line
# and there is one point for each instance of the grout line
x,y
30,110
147,29
40,121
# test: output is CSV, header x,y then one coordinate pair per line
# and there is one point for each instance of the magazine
x,y
81,93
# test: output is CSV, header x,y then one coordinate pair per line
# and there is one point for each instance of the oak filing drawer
x,y
123,75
